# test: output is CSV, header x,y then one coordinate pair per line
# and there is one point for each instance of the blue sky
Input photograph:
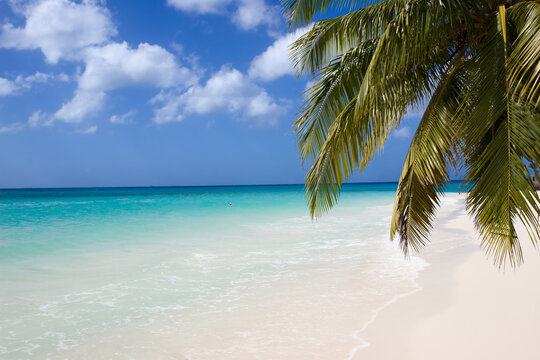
x,y
153,93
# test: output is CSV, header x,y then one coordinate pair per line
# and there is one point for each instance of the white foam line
x,y
355,334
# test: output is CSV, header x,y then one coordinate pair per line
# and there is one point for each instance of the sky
x,y
155,93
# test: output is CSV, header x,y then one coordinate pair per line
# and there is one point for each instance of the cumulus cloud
x,y
252,13
59,28
274,61
38,77
83,103
200,6
36,119
12,128
89,130
229,91
13,87
309,85
116,65
402,133
122,118
39,118
82,32
6,87
171,107
246,14
416,111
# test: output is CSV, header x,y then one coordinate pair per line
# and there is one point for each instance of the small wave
x,y
374,313
53,203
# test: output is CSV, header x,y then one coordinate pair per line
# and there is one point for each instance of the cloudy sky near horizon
x,y
168,92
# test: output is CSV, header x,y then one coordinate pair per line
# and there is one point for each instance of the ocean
x,y
232,272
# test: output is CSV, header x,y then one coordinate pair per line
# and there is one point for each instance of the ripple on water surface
x,y
158,274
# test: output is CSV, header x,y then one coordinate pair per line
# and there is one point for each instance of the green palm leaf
x,y
299,13
523,62
425,171
476,64
499,134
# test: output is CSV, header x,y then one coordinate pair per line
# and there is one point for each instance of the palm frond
x,y
524,61
425,171
499,134
352,137
338,84
301,12
330,38
477,62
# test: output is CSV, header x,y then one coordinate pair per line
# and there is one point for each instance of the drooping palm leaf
x,y
478,64
331,37
299,13
425,171
524,61
498,134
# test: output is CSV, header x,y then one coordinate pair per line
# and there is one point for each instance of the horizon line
x,y
191,186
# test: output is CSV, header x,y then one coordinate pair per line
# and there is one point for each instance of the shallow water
x,y
194,273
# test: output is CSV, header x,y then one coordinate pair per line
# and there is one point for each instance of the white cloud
x,y
59,28
171,109
263,108
81,32
229,91
252,13
246,14
122,118
225,90
274,61
63,77
36,78
36,119
416,111
309,85
82,104
12,128
13,87
39,118
116,65
6,87
200,6
402,133
89,130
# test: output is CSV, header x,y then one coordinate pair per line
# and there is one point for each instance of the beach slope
x,y
468,308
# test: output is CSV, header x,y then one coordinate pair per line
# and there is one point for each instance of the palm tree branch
x,y
425,171
333,37
301,12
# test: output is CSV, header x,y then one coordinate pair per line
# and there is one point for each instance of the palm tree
x,y
473,64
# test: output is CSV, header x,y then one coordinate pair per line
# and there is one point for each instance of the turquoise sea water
x,y
237,272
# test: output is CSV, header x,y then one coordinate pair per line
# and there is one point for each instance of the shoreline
x,y
462,296
356,334
337,289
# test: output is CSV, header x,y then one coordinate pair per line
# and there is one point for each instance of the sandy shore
x,y
467,308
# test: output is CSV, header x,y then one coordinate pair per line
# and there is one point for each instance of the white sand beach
x,y
467,308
